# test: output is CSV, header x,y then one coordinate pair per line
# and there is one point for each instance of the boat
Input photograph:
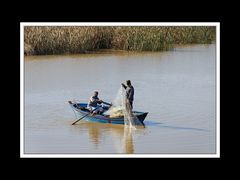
x,y
80,110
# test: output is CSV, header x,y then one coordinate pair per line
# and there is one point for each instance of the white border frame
x,y
23,155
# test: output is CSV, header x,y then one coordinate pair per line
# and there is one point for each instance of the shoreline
x,y
119,52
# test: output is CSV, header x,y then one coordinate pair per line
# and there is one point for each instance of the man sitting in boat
x,y
94,104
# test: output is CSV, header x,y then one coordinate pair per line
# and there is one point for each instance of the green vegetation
x,y
45,40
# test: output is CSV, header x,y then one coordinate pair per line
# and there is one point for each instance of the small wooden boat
x,y
80,110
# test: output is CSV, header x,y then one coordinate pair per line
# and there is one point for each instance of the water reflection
x,y
127,143
123,136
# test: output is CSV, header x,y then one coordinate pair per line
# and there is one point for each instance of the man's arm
x,y
95,100
123,85
99,101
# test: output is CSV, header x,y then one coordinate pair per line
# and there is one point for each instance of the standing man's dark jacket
x,y
129,93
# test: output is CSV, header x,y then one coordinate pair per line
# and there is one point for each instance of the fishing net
x,y
122,108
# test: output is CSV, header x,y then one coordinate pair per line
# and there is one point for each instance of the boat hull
x,y
101,118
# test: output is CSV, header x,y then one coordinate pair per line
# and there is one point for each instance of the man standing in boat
x,y
95,102
129,93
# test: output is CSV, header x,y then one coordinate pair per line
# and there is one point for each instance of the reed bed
x,y
46,40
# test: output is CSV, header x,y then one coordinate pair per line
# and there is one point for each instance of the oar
x,y
84,116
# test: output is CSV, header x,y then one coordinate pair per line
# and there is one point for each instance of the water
x,y
177,88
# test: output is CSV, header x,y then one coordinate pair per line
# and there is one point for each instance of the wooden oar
x,y
84,116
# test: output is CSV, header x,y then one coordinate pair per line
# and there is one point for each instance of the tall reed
x,y
43,40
